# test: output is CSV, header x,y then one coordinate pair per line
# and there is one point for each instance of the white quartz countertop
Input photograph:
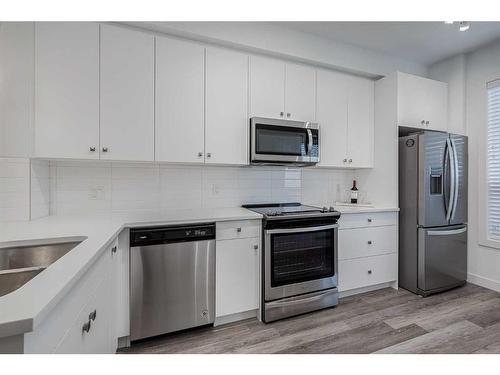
x,y
24,309
363,209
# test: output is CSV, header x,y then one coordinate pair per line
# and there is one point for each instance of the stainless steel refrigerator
x,y
433,212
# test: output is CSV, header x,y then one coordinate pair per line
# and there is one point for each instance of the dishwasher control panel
x,y
170,234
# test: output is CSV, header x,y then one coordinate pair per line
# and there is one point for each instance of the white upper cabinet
x,y
282,90
332,117
127,94
361,112
180,99
300,92
267,87
422,102
345,113
67,90
226,108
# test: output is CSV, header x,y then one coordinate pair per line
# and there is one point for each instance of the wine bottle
x,y
354,192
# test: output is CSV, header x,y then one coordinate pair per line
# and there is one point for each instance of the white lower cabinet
x,y
368,250
237,273
84,320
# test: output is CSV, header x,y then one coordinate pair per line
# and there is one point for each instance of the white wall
x,y
453,72
14,189
262,37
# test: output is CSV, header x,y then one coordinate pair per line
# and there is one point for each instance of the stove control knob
x,y
331,209
324,209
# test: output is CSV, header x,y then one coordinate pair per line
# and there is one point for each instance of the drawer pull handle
x,y
369,220
238,230
369,272
86,327
370,242
255,247
113,249
93,315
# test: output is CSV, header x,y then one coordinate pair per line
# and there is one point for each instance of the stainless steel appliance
x,y
172,279
283,142
433,211
299,263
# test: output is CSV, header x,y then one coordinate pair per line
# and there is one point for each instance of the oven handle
x,y
301,230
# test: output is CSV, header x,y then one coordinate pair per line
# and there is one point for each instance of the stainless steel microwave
x,y
283,142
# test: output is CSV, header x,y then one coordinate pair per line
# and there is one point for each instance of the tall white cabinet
x,y
180,101
127,94
67,90
282,90
226,123
345,112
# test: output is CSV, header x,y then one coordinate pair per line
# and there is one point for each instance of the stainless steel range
x,y
299,263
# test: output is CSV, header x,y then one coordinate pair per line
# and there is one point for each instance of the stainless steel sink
x,y
20,264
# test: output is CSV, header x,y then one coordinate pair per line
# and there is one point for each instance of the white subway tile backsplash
x,y
40,189
14,189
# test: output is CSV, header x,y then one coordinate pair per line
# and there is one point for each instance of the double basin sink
x,y
19,264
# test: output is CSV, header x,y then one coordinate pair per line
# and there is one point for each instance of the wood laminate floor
x,y
464,320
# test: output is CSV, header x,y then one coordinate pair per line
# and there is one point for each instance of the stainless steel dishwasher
x,y
172,279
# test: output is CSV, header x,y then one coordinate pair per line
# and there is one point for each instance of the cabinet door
x,y
331,115
227,125
127,94
67,90
422,102
267,87
300,93
237,281
360,128
180,99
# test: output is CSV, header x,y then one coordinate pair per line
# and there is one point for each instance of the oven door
x,y
299,260
281,141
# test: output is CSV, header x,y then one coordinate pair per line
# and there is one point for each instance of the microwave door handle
x,y
309,142
301,230
455,185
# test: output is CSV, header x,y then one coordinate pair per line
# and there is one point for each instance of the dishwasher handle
x,y
171,234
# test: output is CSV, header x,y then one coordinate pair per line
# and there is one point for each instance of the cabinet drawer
x,y
47,335
97,339
361,272
361,220
237,229
363,242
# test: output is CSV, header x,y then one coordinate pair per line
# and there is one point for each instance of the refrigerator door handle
x,y
455,183
452,179
446,232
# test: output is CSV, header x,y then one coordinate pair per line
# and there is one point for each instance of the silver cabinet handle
x,y
93,315
200,154
209,155
86,327
92,149
113,249
104,149
370,242
255,247
369,220
288,114
238,230
282,114
369,272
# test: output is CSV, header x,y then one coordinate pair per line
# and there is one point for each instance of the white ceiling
x,y
423,42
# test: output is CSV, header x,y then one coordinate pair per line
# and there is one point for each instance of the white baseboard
x,y
235,317
484,282
370,288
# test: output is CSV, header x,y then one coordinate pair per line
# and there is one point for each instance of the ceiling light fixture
x,y
464,25
448,22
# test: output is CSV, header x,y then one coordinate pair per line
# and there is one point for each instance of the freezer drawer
x,y
442,258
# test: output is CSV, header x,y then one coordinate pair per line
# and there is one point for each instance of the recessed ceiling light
x,y
464,25
448,22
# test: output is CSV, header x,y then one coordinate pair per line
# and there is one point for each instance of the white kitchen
x,y
209,187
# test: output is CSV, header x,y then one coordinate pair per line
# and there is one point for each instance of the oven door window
x,y
280,140
298,257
